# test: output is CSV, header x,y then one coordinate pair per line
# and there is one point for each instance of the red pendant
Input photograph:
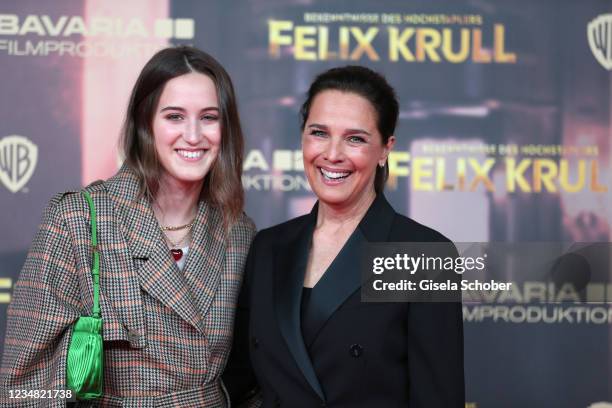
x,y
177,254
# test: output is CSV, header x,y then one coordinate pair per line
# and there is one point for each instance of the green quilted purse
x,y
85,353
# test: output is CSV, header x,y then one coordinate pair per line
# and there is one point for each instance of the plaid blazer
x,y
167,333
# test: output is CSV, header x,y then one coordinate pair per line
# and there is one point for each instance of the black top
x,y
306,292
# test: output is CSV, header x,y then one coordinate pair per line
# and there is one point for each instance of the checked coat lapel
x,y
205,259
188,292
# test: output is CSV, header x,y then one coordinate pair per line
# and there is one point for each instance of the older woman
x,y
310,340
173,241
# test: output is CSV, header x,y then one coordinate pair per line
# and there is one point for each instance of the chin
x,y
331,197
188,177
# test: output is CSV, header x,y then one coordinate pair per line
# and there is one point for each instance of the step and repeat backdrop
x,y
504,136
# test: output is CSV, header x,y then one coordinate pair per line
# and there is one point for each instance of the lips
x,y
190,154
334,175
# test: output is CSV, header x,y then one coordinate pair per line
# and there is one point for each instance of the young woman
x,y
173,240
301,328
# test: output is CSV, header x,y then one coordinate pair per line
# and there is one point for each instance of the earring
x,y
381,165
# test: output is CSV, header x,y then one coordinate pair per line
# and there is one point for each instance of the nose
x,y
193,132
334,151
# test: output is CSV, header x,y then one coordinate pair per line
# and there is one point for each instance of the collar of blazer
x,y
340,281
190,292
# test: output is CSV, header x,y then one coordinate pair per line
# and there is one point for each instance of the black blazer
x,y
359,354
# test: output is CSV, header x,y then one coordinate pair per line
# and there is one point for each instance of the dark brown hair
x,y
222,185
369,85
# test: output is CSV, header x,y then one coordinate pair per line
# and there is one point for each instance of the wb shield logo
x,y
17,161
599,33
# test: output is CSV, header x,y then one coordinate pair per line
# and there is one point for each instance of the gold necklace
x,y
179,227
177,244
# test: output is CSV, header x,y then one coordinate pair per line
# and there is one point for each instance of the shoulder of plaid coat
x,y
167,333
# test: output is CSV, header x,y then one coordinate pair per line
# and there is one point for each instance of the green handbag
x,y
84,374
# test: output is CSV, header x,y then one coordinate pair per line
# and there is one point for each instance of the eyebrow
x,y
178,108
352,130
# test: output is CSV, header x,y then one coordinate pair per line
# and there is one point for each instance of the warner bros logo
x,y
599,33
18,156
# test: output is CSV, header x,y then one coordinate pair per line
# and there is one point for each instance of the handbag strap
x,y
95,270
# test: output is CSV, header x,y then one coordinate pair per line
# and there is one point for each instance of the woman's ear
x,y
386,150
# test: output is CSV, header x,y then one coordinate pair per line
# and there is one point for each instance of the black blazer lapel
x,y
376,224
341,280
343,277
289,267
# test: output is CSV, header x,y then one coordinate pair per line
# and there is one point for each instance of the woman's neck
x,y
338,217
176,203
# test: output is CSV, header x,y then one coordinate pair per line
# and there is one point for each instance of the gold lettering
x,y
514,175
461,174
447,45
364,43
344,43
564,176
397,44
324,53
595,186
302,42
499,41
544,171
478,54
427,40
419,172
395,169
276,39
441,184
482,174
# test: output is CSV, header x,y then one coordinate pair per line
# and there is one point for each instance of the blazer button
x,y
255,342
356,350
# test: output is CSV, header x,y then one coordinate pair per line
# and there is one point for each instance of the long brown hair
x,y
222,185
